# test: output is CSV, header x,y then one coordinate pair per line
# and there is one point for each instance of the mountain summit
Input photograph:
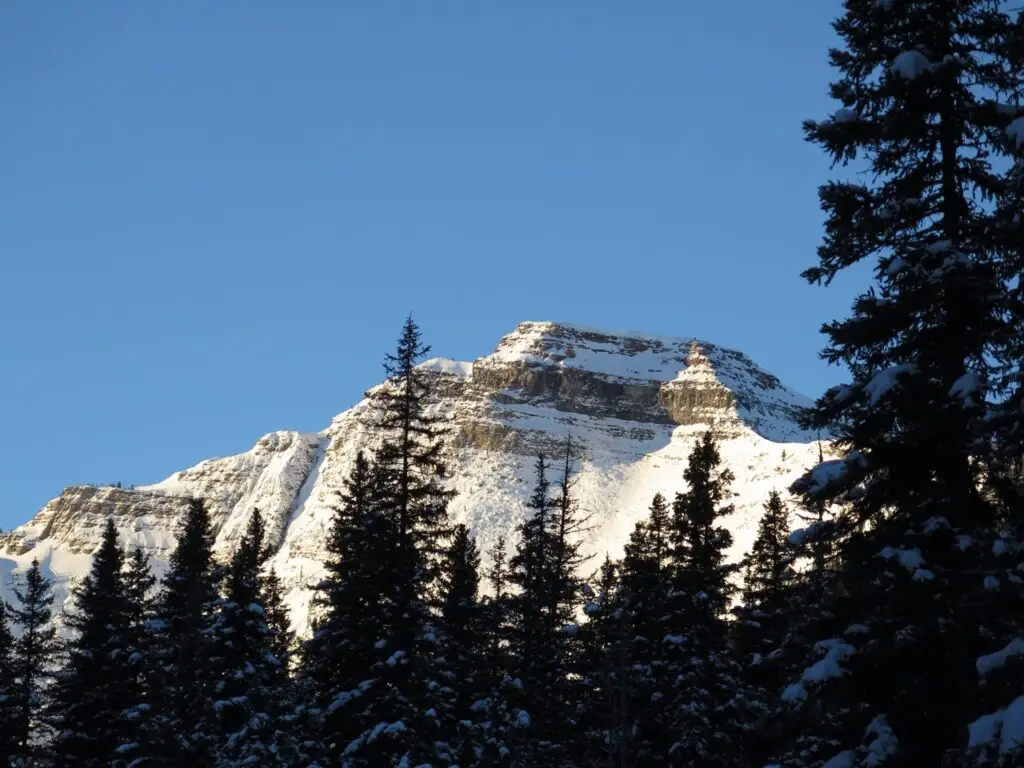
x,y
633,404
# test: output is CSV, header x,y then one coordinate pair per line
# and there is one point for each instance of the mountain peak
x,y
634,403
645,377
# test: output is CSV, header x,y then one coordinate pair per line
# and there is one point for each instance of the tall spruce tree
x,y
36,653
8,700
921,86
282,637
401,716
463,650
535,641
608,674
501,726
97,685
140,664
707,708
765,619
247,706
648,573
182,679
337,659
545,570
769,578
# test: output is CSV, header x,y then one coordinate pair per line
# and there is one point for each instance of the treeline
x,y
407,663
824,646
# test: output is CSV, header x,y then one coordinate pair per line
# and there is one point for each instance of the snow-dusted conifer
x,y
609,675
462,647
647,574
922,88
769,578
545,569
140,663
282,637
35,655
250,693
181,680
335,669
707,709
496,714
401,716
98,682
8,708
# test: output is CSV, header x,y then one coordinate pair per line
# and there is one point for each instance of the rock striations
x,y
633,404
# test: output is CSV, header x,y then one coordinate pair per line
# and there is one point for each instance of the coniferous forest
x,y
886,628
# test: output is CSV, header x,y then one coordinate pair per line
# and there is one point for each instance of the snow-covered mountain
x,y
634,404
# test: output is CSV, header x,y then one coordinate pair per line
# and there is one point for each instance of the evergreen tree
x,y
282,638
8,699
400,716
36,655
413,500
501,727
535,642
139,660
920,85
182,678
796,731
706,707
995,733
337,659
768,621
609,676
545,569
646,565
96,686
462,644
648,575
250,681
410,465
768,584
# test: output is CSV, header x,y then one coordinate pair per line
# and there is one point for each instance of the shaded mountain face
x,y
634,405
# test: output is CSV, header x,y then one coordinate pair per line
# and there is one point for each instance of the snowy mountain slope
x,y
633,403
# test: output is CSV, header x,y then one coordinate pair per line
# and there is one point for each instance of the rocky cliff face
x,y
634,405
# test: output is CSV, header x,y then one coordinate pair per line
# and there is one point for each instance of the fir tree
x,y
414,502
411,469
995,736
706,706
462,630
767,617
545,569
35,657
96,686
646,564
768,580
140,662
497,712
401,716
182,678
609,678
282,638
535,642
337,660
8,699
569,527
648,575
920,85
250,694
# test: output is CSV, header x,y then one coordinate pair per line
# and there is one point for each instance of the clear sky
x,y
214,217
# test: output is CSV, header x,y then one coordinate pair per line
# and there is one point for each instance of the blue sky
x,y
215,216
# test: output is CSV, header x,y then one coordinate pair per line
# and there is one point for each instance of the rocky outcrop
x,y
633,403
